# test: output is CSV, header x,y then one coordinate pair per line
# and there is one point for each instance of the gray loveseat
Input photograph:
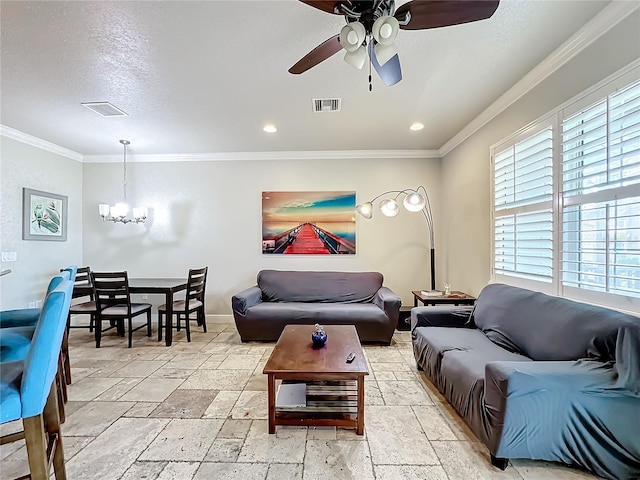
x,y
539,377
303,297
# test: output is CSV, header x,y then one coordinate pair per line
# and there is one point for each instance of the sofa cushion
x,y
432,344
298,312
543,327
318,287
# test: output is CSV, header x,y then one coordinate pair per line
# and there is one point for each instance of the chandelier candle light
x,y
415,200
118,213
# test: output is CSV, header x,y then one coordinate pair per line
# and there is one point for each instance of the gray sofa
x,y
539,377
303,297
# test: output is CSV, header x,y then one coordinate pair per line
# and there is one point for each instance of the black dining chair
x,y
83,290
113,303
192,303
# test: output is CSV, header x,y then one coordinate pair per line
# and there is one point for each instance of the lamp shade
x,y
365,209
389,207
120,210
357,58
385,30
139,212
103,209
352,36
414,202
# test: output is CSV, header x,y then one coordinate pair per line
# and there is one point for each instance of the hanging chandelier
x,y
118,213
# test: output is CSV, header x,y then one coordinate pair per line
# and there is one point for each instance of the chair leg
x,y
203,320
65,358
159,325
98,332
39,432
52,422
149,323
130,323
188,328
34,437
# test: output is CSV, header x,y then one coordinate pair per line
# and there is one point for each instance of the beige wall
x,y
22,165
209,213
466,199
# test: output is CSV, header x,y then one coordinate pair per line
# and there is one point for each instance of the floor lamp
x,y
415,200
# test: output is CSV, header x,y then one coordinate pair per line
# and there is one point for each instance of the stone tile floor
x,y
199,411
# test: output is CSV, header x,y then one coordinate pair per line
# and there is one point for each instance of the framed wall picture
x,y
308,223
44,216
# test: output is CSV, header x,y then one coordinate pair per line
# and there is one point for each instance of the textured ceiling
x,y
204,77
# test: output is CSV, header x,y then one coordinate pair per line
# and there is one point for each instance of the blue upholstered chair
x,y
27,389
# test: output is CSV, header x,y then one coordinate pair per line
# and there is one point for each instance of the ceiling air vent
x,y
321,105
105,109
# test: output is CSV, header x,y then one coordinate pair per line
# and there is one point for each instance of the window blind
x,y
601,195
523,216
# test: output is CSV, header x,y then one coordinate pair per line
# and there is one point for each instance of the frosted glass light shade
x,y
352,36
139,212
120,210
356,58
414,202
389,207
384,53
103,208
365,209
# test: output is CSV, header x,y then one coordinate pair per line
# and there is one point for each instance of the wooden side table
x,y
455,298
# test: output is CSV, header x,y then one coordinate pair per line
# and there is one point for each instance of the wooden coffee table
x,y
335,389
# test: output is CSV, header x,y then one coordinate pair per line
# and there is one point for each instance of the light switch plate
x,y
9,257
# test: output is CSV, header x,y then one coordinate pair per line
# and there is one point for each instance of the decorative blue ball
x,y
318,339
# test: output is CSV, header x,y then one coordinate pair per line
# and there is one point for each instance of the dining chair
x,y
28,393
83,289
193,302
113,303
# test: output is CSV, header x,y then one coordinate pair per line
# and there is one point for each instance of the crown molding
x,y
293,155
39,143
604,21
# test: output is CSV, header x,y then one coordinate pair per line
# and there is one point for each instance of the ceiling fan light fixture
x,y
356,58
384,53
352,36
385,30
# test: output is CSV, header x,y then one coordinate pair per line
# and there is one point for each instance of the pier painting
x,y
308,223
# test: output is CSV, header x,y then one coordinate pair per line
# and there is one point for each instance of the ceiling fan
x,y
372,27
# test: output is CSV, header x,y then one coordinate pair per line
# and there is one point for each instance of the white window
x,y
601,195
566,191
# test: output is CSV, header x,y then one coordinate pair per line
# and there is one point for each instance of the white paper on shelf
x,y
292,395
431,293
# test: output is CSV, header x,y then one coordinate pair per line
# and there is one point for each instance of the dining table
x,y
149,286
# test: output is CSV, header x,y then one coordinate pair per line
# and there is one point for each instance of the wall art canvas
x,y
308,223
44,216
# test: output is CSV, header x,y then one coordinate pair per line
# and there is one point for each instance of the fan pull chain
x,y
370,86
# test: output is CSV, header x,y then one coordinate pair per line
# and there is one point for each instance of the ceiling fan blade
x,y
390,73
327,5
441,13
319,54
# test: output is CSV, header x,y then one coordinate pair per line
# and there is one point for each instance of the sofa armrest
x,y
442,316
507,380
241,301
548,409
388,301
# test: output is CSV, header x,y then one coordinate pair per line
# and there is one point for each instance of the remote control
x,y
350,357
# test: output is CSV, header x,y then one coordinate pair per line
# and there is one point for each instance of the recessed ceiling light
x,y
269,128
416,126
